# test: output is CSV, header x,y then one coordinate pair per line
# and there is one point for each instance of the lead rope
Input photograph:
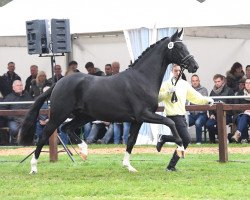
x,y
174,98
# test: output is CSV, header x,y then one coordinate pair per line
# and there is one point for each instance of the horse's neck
x,y
153,72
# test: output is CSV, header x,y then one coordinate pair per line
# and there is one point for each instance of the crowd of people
x,y
235,82
13,90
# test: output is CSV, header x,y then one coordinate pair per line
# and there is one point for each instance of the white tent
x,y
112,15
213,50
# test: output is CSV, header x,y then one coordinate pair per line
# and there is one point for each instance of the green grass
x,y
200,176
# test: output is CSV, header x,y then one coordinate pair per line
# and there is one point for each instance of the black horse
x,y
130,96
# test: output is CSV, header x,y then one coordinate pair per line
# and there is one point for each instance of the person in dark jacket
x,y
234,75
18,94
33,74
9,77
57,74
38,84
243,118
92,70
220,89
3,87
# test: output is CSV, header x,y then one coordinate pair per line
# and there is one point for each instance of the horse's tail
x,y
27,131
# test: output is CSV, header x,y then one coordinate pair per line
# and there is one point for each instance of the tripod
x,y
66,149
52,58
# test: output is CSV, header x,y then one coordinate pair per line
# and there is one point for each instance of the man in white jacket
x,y
174,96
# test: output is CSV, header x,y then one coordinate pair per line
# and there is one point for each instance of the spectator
x,y
3,87
109,127
2,94
198,118
109,134
247,75
175,109
119,127
38,84
243,119
100,130
83,148
72,67
241,85
92,70
108,69
121,131
10,76
220,89
33,74
57,74
18,94
98,127
115,67
234,75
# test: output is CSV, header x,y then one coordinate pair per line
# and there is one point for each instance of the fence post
x,y
53,154
222,133
53,151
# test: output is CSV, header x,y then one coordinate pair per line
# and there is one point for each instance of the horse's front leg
x,y
133,133
48,130
35,157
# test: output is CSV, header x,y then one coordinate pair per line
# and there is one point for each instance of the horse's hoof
x,y
33,172
83,156
130,168
133,170
83,147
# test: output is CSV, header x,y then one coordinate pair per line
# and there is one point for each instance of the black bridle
x,y
183,67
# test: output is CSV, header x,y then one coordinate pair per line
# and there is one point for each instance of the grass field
x,y
200,176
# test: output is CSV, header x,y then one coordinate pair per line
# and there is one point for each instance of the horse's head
x,y
180,55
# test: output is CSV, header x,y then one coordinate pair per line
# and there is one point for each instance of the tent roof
x,y
112,15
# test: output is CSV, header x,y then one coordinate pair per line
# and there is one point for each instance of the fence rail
x,y
220,109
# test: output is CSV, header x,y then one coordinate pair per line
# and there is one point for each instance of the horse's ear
x,y
180,33
173,37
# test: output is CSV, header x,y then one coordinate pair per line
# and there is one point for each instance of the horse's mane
x,y
146,50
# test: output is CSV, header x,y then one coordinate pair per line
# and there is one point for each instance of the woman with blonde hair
x,y
38,84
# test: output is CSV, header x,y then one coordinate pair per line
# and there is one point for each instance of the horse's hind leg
x,y
71,126
133,133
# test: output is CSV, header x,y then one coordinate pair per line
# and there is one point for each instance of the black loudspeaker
x,y
37,32
60,36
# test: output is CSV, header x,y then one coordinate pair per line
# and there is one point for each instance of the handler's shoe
x,y
236,136
160,143
83,147
171,169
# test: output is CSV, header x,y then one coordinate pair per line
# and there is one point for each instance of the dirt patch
x,y
121,150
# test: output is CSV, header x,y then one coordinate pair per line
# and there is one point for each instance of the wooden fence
x,y
53,150
220,109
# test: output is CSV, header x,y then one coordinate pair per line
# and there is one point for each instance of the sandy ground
x,y
120,150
